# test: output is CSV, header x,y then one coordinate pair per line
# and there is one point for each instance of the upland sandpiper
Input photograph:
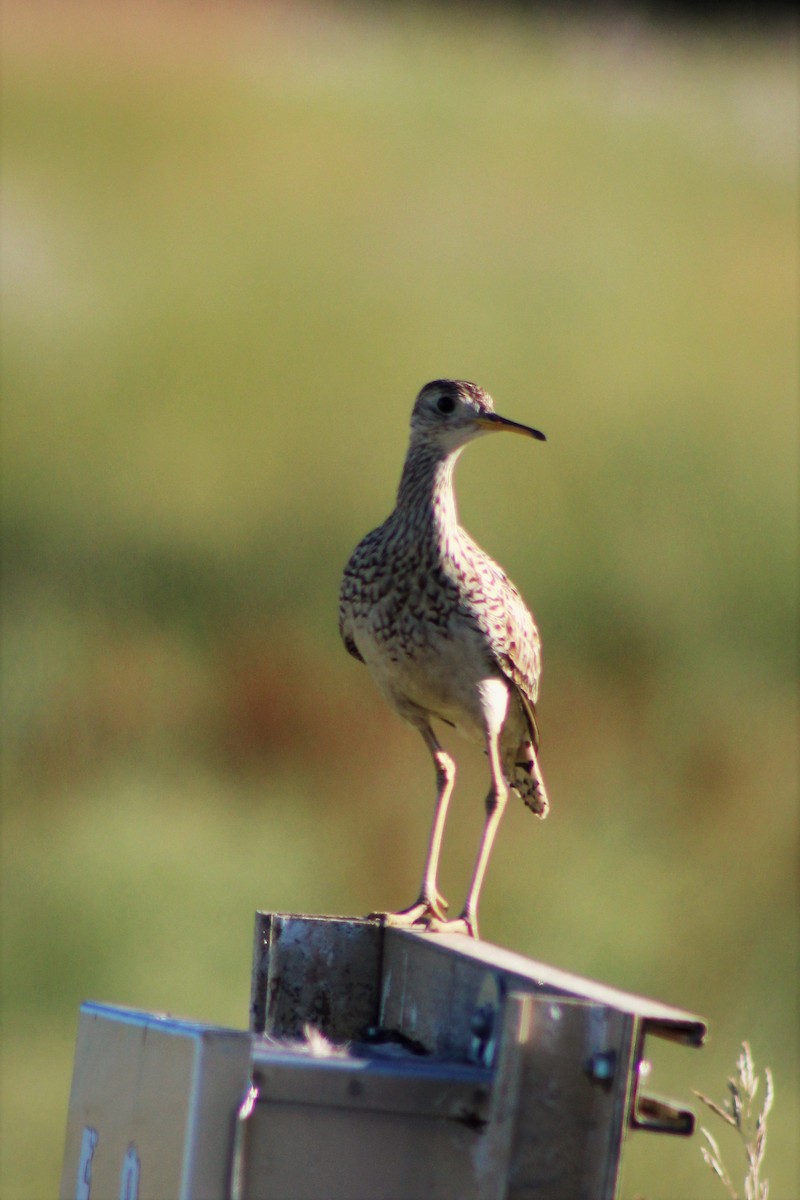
x,y
446,634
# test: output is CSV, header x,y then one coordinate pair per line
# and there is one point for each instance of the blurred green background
x,y
236,240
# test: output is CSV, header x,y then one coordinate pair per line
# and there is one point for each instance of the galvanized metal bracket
x,y
654,1113
380,1062
564,1054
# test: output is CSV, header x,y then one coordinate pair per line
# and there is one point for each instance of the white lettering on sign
x,y
88,1143
129,1179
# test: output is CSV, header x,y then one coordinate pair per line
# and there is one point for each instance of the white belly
x,y
443,675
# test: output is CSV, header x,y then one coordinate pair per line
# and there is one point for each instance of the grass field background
x,y
236,241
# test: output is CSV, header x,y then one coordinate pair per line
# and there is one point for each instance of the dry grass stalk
x,y
740,1113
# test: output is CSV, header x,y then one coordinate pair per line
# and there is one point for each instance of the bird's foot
x,y
463,924
425,910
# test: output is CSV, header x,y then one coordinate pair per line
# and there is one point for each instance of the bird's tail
x,y
527,780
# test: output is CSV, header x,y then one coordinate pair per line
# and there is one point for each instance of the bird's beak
x,y
493,421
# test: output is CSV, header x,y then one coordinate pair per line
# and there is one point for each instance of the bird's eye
x,y
445,404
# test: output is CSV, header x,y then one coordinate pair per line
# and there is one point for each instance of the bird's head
x,y
448,413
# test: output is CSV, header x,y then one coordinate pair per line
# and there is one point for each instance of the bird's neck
x,y
426,502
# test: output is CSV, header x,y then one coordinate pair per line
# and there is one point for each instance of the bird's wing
x,y
510,631
351,647
346,597
518,651
360,588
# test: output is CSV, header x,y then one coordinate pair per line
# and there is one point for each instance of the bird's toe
x,y
463,924
421,913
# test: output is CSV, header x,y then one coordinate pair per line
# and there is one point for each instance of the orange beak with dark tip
x,y
493,421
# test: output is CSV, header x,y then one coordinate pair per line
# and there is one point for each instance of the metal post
x,y
563,1054
380,1064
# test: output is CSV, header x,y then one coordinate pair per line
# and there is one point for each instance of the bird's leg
x,y
495,804
431,903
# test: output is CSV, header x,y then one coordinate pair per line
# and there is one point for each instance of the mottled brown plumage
x,y
444,631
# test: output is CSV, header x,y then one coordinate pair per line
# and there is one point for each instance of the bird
x,y
446,635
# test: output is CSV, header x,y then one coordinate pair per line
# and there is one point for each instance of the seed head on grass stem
x,y
739,1111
